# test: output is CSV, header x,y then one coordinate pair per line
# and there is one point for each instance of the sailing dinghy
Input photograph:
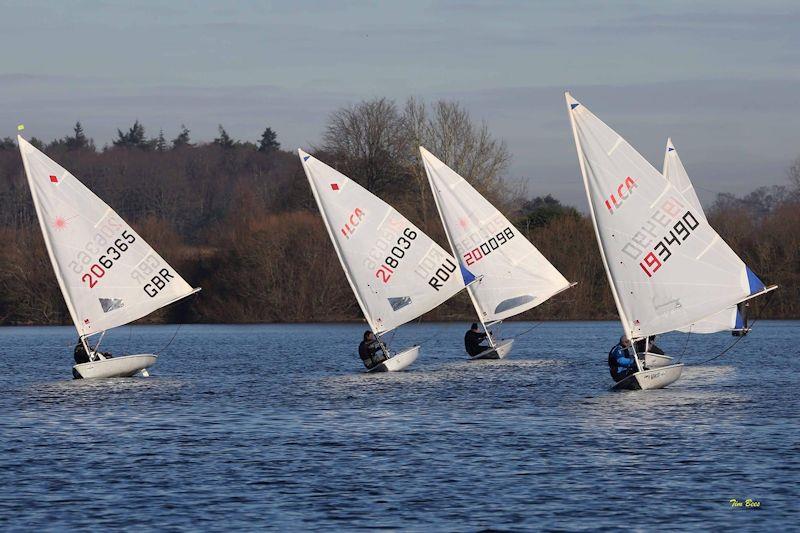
x,y
108,274
666,265
396,272
730,319
511,275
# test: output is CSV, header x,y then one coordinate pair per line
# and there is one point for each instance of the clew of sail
x,y
513,276
676,174
396,271
666,266
108,274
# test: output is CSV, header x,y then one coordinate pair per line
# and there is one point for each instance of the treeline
x,y
237,217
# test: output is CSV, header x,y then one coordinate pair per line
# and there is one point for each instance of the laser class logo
x,y
352,222
624,190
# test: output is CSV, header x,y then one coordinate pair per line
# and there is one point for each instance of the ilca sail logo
x,y
352,223
624,190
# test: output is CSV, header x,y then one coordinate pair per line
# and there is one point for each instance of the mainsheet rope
x,y
726,350
160,352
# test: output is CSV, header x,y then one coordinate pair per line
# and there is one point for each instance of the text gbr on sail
x,y
158,282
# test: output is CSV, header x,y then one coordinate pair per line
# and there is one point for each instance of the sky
x,y
721,78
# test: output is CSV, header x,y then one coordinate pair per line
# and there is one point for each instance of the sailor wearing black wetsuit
x,y
370,351
473,339
650,343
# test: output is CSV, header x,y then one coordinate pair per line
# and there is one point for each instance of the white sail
x,y
666,266
513,276
108,274
676,174
396,271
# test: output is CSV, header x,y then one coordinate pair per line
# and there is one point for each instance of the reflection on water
x,y
278,426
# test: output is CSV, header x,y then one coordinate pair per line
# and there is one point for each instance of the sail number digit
x,y
680,232
396,253
106,261
488,246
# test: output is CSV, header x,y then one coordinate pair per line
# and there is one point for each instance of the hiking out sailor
x,y
82,357
621,362
473,340
370,351
648,345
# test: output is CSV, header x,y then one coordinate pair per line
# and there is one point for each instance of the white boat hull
x,y
655,378
654,360
398,361
500,350
114,367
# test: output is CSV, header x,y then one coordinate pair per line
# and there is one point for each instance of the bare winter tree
x,y
794,176
449,132
367,143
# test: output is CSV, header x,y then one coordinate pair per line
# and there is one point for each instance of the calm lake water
x,y
244,427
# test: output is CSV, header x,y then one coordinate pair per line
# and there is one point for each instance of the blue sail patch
x,y
468,276
756,285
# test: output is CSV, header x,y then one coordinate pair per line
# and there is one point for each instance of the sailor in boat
x,y
473,341
370,351
620,361
648,345
82,357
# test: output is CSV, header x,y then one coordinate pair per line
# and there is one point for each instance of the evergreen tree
x,y
36,143
133,138
224,140
182,139
78,141
160,141
269,141
8,144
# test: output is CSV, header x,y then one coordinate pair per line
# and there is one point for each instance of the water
x,y
244,427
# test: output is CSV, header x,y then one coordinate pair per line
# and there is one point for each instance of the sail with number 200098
x,y
512,276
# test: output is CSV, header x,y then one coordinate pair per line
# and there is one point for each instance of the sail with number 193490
x,y
667,267
108,274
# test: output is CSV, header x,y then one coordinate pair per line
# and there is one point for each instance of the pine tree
x,y
8,143
269,141
182,139
160,141
78,141
133,138
224,140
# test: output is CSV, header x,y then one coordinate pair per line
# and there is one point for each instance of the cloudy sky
x,y
721,78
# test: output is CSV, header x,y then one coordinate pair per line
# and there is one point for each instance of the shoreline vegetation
x,y
237,218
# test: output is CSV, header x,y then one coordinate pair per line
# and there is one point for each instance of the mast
x,y
47,244
625,323
475,303
332,237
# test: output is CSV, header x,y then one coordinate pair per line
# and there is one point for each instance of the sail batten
x,y
109,276
396,271
515,276
650,236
